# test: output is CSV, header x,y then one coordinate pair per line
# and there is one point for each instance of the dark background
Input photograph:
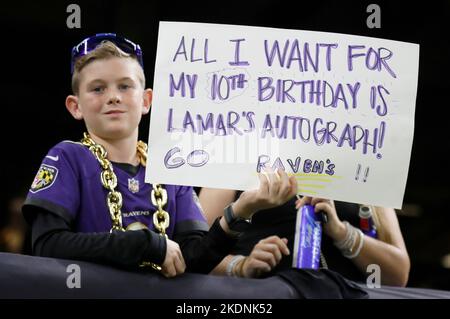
x,y
35,79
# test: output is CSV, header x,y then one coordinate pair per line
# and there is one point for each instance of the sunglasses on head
x,y
90,43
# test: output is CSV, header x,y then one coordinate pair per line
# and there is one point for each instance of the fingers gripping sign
x,y
275,188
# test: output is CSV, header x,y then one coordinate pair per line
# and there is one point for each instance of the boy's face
x,y
111,98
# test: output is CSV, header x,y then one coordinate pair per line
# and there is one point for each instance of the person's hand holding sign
x,y
275,189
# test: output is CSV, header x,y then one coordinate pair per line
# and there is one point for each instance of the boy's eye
x,y
124,86
98,89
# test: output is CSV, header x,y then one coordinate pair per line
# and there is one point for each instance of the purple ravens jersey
x,y
68,184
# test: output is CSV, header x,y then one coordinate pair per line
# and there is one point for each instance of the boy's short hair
x,y
103,51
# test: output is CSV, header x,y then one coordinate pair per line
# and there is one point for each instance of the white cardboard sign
x,y
335,110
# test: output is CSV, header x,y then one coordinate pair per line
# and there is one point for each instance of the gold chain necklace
x,y
161,219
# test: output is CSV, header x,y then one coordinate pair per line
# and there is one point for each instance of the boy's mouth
x,y
115,112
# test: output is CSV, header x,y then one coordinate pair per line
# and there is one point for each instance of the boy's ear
x,y
148,96
73,107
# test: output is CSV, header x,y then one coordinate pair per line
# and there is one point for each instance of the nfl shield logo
x,y
133,185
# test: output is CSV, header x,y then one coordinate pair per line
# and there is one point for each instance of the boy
x,y
85,194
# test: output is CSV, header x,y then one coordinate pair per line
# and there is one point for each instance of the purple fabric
x,y
68,184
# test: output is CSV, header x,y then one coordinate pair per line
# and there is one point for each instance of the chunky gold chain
x,y
161,219
109,181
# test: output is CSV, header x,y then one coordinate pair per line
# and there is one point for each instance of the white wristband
x,y
230,267
343,243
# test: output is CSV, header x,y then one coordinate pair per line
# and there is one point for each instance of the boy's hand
x,y
173,264
333,227
264,256
275,189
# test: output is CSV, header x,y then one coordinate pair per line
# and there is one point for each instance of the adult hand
x,y
173,264
333,227
266,254
275,189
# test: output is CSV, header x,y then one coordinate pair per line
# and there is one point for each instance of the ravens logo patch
x,y
44,178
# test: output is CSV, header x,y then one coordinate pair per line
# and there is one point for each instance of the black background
x,y
35,79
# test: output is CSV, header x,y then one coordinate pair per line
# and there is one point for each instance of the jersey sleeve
x,y
189,212
55,186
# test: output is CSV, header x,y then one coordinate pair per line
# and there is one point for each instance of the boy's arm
x,y
53,237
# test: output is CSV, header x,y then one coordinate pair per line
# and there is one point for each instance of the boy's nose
x,y
114,99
